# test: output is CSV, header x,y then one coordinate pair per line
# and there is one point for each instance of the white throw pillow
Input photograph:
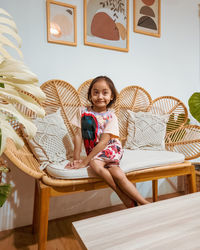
x,y
52,142
146,131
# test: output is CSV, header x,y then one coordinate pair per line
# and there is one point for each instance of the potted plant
x,y
18,86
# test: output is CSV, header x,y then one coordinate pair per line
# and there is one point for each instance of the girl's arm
x,y
99,147
77,144
77,149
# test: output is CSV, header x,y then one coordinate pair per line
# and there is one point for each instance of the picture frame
x,y
106,24
61,23
147,17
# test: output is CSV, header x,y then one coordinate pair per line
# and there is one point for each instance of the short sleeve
x,y
112,126
76,119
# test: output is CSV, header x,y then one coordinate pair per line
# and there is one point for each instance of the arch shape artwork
x,y
147,17
106,24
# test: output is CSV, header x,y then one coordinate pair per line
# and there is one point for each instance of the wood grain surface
x,y
169,224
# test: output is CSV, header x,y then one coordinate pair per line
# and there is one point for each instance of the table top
x,y
163,225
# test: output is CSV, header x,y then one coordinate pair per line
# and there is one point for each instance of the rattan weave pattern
x,y
172,106
83,92
61,94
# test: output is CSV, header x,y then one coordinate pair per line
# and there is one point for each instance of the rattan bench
x,y
61,94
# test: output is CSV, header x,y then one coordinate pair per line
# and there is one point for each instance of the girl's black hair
x,y
110,84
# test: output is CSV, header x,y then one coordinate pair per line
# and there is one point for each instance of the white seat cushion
x,y
142,159
132,160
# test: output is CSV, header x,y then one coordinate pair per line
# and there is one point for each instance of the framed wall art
x,y
106,24
61,23
147,17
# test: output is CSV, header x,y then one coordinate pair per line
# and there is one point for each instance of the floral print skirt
x,y
112,154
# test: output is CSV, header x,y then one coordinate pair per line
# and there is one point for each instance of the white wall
x,y
168,65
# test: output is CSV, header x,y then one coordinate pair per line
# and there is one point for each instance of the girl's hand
x,y
76,164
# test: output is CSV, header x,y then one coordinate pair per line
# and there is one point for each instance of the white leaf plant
x,y
18,85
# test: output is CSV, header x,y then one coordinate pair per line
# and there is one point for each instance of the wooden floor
x,y
60,236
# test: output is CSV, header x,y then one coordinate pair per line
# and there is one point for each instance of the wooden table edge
x,y
78,237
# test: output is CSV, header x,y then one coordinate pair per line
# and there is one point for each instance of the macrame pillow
x,y
146,131
52,142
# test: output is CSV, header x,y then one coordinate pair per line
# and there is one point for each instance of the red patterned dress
x,y
93,125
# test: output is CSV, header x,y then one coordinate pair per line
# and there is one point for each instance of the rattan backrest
x,y
132,98
172,106
61,94
83,92
23,110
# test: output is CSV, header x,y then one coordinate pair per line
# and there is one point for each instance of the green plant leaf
x,y
2,85
194,105
4,169
5,190
173,123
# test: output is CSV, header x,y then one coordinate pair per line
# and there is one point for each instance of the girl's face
x,y
101,95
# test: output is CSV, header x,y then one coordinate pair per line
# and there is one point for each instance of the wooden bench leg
x,y
44,199
155,190
192,180
36,209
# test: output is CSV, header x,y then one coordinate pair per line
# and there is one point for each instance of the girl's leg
x,y
98,167
125,185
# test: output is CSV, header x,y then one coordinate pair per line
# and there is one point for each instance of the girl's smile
x,y
101,95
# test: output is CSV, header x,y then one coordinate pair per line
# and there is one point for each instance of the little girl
x,y
98,127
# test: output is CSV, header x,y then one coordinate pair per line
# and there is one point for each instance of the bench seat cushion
x,y
132,160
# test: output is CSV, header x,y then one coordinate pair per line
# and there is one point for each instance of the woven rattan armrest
x,y
185,140
23,159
